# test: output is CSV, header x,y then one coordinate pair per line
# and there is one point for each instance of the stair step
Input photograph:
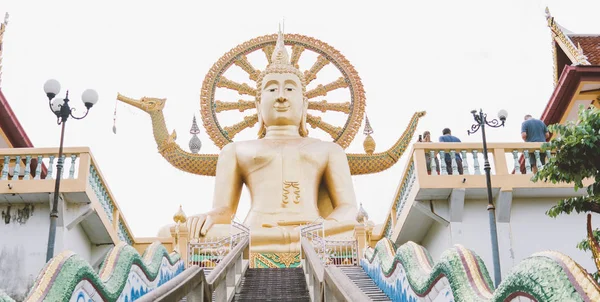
x,y
273,284
360,278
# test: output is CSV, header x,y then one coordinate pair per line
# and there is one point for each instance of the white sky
x,y
445,57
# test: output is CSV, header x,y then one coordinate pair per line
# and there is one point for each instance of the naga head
x,y
281,90
148,105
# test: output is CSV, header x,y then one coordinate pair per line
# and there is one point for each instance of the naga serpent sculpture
x,y
205,164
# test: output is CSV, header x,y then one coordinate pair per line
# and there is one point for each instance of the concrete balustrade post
x,y
360,233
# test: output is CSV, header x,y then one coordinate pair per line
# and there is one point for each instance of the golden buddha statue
x,y
293,179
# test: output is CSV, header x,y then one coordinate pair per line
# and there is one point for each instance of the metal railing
x,y
208,252
331,251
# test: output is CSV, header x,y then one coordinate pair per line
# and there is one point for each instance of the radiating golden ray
x,y
240,105
248,122
324,106
268,50
311,74
240,88
317,122
296,52
323,90
243,63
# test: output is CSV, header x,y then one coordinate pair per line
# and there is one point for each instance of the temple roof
x,y
570,48
590,45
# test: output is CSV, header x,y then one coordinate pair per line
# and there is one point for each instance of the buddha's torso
x,y
283,177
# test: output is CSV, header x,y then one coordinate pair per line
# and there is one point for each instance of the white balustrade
x,y
504,158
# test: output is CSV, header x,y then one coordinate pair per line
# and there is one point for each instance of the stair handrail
x,y
195,283
223,275
314,269
192,279
340,288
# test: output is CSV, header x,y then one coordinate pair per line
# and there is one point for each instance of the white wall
x,y
437,240
77,241
534,231
529,231
23,249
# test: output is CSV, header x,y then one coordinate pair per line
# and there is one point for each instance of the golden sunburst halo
x,y
217,78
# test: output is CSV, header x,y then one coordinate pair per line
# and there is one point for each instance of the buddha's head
x,y
281,90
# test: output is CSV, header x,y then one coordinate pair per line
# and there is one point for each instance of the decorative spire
x,y
369,143
2,29
194,129
548,15
368,130
195,143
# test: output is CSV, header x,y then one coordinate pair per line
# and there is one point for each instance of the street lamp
x,y
63,111
481,121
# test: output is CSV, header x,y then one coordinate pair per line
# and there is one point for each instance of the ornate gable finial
x,y
581,57
548,15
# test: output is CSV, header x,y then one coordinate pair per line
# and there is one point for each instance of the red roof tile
x,y
11,126
590,46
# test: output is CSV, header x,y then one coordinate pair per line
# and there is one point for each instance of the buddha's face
x,y
281,100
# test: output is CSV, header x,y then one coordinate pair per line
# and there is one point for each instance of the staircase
x,y
364,283
273,284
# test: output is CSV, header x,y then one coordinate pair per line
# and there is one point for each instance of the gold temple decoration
x,y
218,78
243,63
369,143
248,122
311,74
240,105
179,219
574,53
296,52
179,216
205,164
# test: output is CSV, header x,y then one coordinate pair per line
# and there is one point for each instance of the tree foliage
x,y
577,158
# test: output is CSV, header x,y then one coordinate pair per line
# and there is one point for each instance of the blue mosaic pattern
x,y
123,234
101,192
406,187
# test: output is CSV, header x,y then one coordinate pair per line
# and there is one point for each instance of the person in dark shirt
x,y
447,137
534,130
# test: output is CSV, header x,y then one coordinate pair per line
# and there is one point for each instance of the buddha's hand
x,y
198,225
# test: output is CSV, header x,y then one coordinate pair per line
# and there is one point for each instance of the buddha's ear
x,y
261,125
303,130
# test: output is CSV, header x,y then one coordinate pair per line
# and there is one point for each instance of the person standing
x,y
447,137
427,139
534,130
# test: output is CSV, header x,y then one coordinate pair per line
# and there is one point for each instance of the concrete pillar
x,y
360,234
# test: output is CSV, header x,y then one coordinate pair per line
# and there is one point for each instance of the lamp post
x,y
481,122
60,107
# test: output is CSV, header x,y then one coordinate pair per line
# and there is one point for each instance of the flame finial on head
x,y
280,54
280,62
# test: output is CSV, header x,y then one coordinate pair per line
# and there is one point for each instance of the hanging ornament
x,y
114,128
